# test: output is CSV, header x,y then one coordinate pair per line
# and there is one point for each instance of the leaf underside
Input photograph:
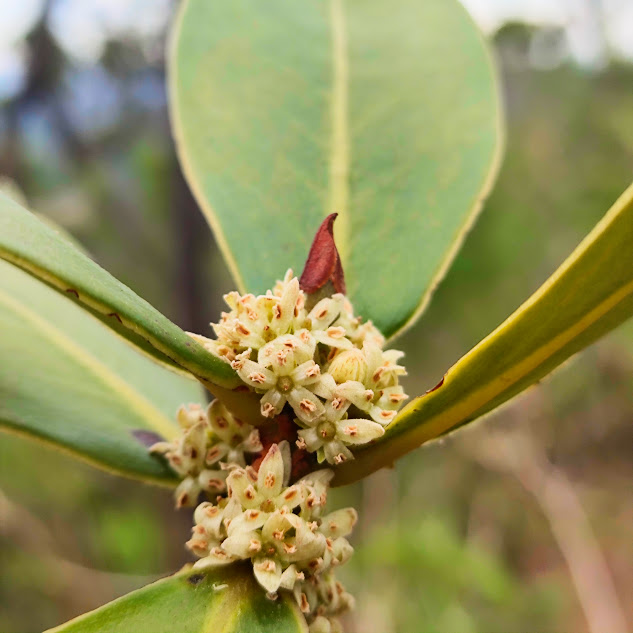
x,y
589,295
38,249
285,112
226,600
67,380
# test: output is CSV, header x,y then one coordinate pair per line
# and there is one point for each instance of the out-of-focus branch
x,y
80,586
517,454
191,242
379,508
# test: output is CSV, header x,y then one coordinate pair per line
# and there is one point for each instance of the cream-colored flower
x,y
254,321
209,531
312,361
278,527
209,438
231,437
281,541
376,390
284,372
321,599
333,432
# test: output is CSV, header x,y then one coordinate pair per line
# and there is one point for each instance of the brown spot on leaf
x,y
114,315
195,579
147,438
72,291
439,384
323,263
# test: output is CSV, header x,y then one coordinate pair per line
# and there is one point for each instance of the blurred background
x,y
521,523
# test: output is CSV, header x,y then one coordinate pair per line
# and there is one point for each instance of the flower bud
x,y
349,365
320,625
189,415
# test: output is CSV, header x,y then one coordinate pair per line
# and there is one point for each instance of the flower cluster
x,y
324,363
282,529
211,442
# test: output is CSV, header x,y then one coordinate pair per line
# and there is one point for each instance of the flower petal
x,y
256,375
391,397
247,521
382,416
306,374
291,497
311,438
187,492
272,403
283,312
358,431
268,573
324,387
339,523
270,478
336,452
241,487
191,414
356,392
305,404
333,337
252,443
290,576
243,544
217,556
213,481
335,409
324,313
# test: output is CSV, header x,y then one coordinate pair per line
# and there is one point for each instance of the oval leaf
x,y
589,295
226,600
42,252
383,112
68,380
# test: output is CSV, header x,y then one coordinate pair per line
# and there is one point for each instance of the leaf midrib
x,y
154,418
338,195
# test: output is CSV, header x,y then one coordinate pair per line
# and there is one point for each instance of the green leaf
x,y
589,295
226,600
38,249
385,112
69,381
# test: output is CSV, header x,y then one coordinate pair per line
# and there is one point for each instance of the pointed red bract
x,y
323,263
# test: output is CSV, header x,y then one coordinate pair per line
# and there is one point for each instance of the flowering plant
x,y
285,114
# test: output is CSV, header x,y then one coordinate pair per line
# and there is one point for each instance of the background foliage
x,y
485,555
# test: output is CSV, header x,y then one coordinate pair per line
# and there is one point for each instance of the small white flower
x,y
284,373
292,357
331,434
231,438
278,527
210,530
316,486
254,321
321,599
378,393
266,490
207,438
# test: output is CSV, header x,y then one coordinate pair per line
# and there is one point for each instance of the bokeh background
x,y
520,523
